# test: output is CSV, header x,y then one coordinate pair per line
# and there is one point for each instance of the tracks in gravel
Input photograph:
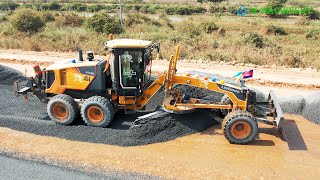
x,y
25,118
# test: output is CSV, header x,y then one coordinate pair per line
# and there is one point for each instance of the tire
x,y
240,127
97,111
63,109
225,100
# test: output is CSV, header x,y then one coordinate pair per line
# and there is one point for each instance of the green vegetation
x,y
209,27
69,19
26,20
273,4
187,8
56,26
271,29
104,23
48,16
313,34
8,6
213,1
255,39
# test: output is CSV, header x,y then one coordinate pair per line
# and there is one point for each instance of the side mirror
x,y
146,58
80,53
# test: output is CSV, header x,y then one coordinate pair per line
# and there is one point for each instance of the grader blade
x,y
148,117
277,111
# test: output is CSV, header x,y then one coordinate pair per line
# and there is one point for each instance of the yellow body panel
x,y
212,86
73,80
197,82
125,100
141,101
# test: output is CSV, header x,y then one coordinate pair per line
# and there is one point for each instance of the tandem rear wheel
x,y
97,111
240,127
63,109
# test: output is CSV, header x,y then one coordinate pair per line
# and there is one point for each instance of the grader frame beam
x,y
169,78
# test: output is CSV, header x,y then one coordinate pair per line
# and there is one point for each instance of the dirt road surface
x,y
205,155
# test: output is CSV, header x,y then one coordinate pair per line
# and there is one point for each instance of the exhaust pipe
x,y
80,54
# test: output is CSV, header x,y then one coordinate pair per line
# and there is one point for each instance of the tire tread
x,y
233,116
69,102
102,102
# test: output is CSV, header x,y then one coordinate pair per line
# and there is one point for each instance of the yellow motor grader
x,y
97,88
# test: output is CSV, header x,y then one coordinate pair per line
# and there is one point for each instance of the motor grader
x,y
97,88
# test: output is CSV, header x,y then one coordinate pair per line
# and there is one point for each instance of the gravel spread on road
x,y
31,116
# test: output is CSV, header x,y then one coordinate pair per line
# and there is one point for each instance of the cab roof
x,y
128,43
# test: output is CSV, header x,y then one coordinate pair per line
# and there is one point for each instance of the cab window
x,y
130,68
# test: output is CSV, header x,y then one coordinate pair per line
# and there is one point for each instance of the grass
x,y
198,37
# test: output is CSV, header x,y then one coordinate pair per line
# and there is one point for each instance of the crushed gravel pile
x,y
311,109
119,133
292,104
12,105
31,117
214,96
169,126
9,75
308,106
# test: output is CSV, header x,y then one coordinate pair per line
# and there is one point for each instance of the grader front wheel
x,y
240,127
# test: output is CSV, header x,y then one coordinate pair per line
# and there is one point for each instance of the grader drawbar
x,y
97,88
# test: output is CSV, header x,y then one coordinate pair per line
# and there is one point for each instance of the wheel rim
x,y
60,111
241,130
95,114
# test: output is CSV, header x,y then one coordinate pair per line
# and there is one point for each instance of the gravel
x,y
308,106
292,104
32,117
9,75
311,109
119,132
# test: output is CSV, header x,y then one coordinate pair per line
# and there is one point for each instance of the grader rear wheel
x,y
63,109
240,127
97,111
95,114
60,111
